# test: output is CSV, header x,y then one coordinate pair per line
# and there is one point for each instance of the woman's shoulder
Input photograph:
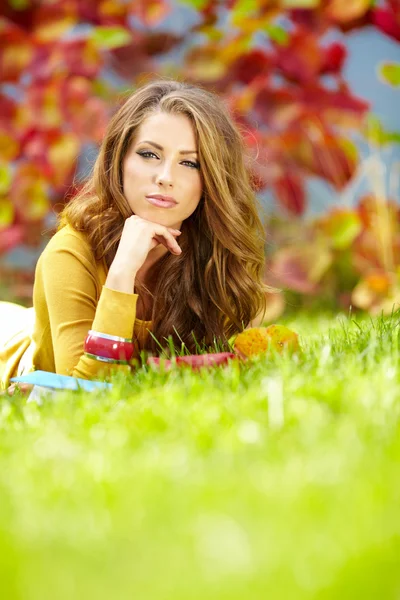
x,y
72,241
68,237
67,233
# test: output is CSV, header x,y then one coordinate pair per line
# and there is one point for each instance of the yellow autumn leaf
x,y
9,147
345,11
6,213
52,30
62,154
258,340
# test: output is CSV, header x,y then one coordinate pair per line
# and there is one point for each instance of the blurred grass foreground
x,y
276,479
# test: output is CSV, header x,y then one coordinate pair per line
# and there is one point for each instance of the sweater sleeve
x,y
71,295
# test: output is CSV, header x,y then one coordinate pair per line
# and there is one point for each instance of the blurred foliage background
x,y
280,66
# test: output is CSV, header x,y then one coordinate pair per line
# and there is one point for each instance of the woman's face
x,y
163,161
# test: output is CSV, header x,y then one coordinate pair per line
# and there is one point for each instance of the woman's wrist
x,y
121,280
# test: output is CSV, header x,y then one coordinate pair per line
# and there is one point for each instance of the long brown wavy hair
x,y
214,288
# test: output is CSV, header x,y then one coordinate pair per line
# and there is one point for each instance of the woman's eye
x,y
193,165
146,154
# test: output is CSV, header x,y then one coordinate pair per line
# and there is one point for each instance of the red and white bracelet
x,y
108,348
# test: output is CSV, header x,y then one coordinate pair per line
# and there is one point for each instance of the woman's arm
x,y
67,289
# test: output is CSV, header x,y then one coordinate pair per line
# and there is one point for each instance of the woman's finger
x,y
161,239
165,237
24,388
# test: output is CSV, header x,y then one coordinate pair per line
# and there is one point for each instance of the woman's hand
x,y
23,388
138,238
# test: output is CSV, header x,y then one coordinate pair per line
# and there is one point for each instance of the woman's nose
x,y
164,182
164,177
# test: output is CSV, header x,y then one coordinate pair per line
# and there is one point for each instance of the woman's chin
x,y
157,217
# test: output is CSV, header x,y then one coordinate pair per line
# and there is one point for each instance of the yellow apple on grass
x,y
257,340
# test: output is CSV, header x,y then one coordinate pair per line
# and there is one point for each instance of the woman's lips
x,y
161,203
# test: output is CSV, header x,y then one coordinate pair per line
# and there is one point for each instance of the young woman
x,y
164,240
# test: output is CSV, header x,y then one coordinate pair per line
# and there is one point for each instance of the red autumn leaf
x,y
300,59
387,20
272,105
333,58
16,52
315,97
7,109
322,153
11,237
332,162
308,19
22,16
290,193
195,361
256,63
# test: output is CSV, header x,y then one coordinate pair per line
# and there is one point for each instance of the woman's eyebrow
x,y
161,148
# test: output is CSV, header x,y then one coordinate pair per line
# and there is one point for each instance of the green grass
x,y
278,479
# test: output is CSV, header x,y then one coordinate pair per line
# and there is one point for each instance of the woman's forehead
x,y
168,129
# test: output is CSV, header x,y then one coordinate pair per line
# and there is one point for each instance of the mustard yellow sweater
x,y
69,298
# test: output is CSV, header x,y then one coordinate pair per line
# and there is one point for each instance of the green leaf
x,y
340,227
377,134
243,8
110,37
301,3
5,178
345,231
19,4
197,4
6,213
390,73
277,34
350,149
